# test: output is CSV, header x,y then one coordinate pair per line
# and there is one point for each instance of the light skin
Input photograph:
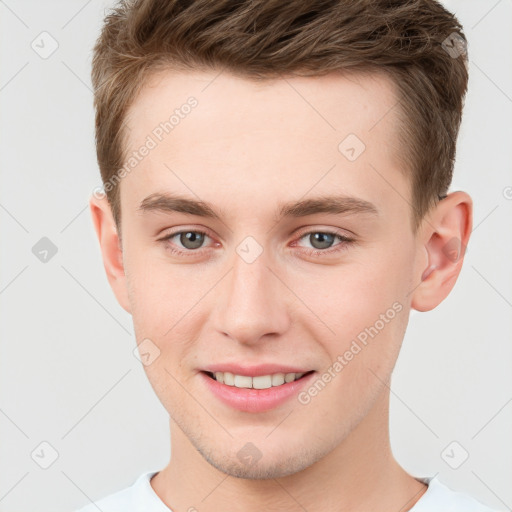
x,y
247,149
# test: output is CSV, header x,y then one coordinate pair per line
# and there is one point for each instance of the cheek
x,y
349,298
166,305
368,318
162,309
360,309
160,293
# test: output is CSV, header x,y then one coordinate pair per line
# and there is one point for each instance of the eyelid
x,y
332,231
344,241
170,232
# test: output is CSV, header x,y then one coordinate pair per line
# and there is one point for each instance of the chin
x,y
253,464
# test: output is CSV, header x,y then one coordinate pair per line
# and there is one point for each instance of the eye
x,y
190,240
322,242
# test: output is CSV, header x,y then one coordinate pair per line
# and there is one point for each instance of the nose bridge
x,y
251,302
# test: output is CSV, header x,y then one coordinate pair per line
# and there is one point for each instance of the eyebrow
x,y
337,205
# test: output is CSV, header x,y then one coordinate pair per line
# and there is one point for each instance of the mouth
x,y
260,382
256,394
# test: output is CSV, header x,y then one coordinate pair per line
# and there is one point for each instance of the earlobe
x,y
445,237
111,248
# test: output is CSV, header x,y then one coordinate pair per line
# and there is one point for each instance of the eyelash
x,y
345,242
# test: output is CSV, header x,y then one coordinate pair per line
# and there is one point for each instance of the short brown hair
x,y
418,43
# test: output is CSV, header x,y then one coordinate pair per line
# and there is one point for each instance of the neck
x,y
359,474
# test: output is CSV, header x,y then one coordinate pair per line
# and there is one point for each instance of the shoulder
x,y
440,495
138,497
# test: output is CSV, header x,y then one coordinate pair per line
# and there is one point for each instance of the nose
x,y
252,303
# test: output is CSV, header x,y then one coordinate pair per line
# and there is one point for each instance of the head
x,y
287,203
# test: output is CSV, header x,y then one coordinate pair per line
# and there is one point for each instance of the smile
x,y
260,382
254,394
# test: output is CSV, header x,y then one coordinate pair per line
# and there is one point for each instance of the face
x,y
268,271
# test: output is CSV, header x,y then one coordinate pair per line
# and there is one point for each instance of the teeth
x,y
260,382
229,379
241,381
277,379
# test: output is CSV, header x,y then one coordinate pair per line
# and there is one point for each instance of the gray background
x,y
68,376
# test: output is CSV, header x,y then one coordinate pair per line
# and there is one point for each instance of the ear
x,y
111,248
444,236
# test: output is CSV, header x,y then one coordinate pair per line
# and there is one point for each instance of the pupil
x,y
324,239
191,240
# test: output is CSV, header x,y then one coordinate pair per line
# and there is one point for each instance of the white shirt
x,y
140,497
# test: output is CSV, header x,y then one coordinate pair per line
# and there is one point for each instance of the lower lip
x,y
255,400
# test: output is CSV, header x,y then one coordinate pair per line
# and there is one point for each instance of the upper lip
x,y
254,370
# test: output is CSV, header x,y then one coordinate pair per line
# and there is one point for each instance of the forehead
x,y
210,132
335,102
